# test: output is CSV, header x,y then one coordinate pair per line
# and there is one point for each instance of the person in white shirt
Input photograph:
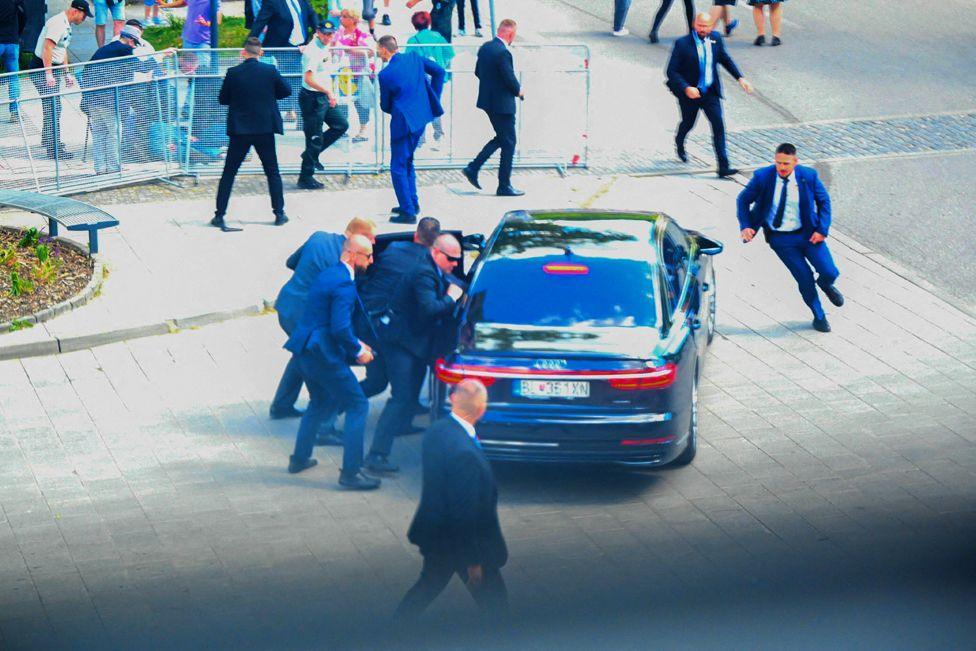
x,y
318,104
51,55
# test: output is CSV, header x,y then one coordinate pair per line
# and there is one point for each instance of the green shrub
x,y
19,286
46,271
30,238
20,324
9,257
43,252
230,33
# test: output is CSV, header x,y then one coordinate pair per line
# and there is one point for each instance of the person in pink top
x,y
362,45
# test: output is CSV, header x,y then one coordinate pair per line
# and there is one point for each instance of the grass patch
x,y
231,33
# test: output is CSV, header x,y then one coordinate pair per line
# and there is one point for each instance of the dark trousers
x,y
711,104
316,112
666,6
50,105
402,172
406,375
440,20
795,250
475,12
620,9
491,595
264,145
331,390
504,126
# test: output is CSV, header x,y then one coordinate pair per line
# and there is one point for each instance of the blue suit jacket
x,y
408,95
756,200
326,325
684,71
320,251
276,17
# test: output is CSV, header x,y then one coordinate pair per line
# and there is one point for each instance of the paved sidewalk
x,y
145,502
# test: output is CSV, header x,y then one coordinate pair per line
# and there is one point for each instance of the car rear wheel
x,y
712,305
691,447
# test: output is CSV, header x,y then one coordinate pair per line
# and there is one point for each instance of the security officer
x,y
425,297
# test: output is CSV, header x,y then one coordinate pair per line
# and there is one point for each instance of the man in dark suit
x,y
497,89
279,18
423,298
325,345
250,92
693,78
320,251
456,525
389,273
410,91
792,207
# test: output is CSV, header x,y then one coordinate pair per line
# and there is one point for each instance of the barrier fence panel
x,y
87,126
107,123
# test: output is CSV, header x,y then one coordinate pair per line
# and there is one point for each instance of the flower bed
x,y
37,273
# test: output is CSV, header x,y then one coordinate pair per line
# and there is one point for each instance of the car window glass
x,y
675,256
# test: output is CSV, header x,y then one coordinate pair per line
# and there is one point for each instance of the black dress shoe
x,y
222,225
310,184
280,219
775,41
821,325
509,191
833,295
653,37
358,482
329,438
682,154
404,218
729,171
397,210
386,20
290,412
378,463
471,176
319,167
760,40
297,465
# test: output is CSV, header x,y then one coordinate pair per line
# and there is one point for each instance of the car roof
x,y
581,233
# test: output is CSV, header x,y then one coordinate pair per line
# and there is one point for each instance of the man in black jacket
x,y
497,89
251,91
424,298
456,525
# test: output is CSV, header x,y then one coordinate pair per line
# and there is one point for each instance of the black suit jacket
x,y
276,17
683,70
458,512
250,92
419,306
498,86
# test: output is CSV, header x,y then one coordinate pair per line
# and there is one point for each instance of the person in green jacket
x,y
431,45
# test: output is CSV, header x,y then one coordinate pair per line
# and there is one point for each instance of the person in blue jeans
x,y
13,19
620,9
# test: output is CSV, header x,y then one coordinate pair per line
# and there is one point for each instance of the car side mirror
x,y
708,246
473,242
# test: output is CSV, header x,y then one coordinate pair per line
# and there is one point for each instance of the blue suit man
x,y
410,91
320,251
325,344
791,205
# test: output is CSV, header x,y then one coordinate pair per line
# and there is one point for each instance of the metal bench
x,y
70,213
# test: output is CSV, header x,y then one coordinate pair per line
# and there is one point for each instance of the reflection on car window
x,y
675,254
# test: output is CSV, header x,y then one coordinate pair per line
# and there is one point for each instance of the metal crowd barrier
x,y
109,123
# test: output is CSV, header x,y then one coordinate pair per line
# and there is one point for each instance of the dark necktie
x,y
781,208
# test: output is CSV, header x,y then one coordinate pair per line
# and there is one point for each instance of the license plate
x,y
553,389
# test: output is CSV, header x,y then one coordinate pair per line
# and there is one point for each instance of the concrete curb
x,y
79,299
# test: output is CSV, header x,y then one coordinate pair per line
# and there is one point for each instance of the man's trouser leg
x,y
489,148
434,577
319,405
819,256
290,384
504,126
264,144
50,105
105,139
336,120
440,20
400,154
791,248
236,152
689,113
401,368
411,171
313,107
711,104
491,595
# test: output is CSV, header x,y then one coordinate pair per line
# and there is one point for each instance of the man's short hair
x,y
507,25
361,226
428,229
252,46
787,148
420,20
135,23
388,43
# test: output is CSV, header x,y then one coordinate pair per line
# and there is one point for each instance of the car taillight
x,y
658,377
565,269
452,374
655,441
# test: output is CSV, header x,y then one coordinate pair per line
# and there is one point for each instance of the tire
x,y
712,305
691,447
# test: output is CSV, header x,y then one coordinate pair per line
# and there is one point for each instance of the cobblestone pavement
x,y
145,502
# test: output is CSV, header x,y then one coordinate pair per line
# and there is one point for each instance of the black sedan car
x,y
589,330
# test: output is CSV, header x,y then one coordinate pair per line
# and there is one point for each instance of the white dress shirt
x,y
791,216
468,427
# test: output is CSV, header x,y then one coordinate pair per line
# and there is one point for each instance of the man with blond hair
x,y
320,251
456,525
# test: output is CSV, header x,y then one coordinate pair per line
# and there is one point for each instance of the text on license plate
x,y
553,389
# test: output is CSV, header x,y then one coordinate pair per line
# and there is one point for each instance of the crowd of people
x,y
721,10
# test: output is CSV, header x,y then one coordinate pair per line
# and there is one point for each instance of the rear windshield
x,y
609,293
